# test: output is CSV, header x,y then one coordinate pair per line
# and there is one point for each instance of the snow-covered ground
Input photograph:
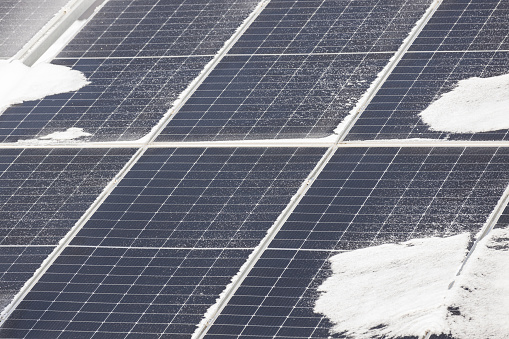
x,y
22,83
475,105
406,289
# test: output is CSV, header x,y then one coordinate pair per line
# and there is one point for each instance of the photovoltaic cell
x,y
20,20
165,243
43,192
139,56
364,197
297,71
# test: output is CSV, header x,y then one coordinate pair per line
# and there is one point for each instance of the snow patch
x,y
474,105
67,135
480,302
21,83
392,289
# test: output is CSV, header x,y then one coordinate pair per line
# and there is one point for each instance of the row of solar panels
x,y
171,235
169,238
296,72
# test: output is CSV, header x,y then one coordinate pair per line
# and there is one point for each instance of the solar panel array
x,y
145,242
363,197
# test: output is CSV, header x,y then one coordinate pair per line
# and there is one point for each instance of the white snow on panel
x,y
474,105
392,289
19,82
69,134
481,294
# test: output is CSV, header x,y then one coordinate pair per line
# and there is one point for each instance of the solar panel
x,y
135,28
418,80
225,198
297,71
20,20
283,96
126,99
139,56
164,244
465,26
463,39
363,197
43,193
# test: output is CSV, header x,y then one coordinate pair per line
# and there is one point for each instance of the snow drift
x,y
393,289
410,288
475,105
22,83
481,294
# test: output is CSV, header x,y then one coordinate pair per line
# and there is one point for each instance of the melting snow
x,y
21,83
392,289
405,289
475,105
481,294
69,134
